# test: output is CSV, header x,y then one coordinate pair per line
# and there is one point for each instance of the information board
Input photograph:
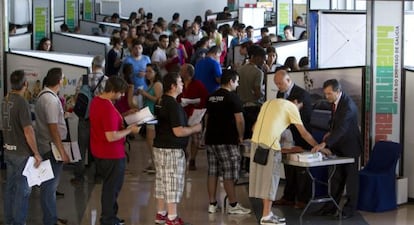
x,y
89,9
41,20
387,64
71,13
284,15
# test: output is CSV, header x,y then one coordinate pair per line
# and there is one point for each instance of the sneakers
x,y
281,219
176,221
160,219
238,209
274,220
121,222
213,208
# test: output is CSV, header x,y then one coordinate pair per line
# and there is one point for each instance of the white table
x,y
327,162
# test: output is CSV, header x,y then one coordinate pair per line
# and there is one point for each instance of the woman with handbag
x,y
266,157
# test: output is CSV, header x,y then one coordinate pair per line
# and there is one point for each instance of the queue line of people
x,y
166,132
171,133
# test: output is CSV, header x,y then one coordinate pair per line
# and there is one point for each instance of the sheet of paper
x,y
142,116
36,176
55,152
75,151
187,101
71,149
196,117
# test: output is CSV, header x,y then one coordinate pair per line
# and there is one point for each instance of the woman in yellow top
x,y
274,117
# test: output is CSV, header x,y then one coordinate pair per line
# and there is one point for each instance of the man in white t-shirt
x,y
159,56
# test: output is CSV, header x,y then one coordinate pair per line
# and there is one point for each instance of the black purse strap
x,y
261,125
99,83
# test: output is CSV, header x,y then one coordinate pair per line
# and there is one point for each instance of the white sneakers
x,y
272,220
238,209
213,208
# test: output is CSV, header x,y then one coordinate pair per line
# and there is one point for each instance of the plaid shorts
x,y
224,160
169,179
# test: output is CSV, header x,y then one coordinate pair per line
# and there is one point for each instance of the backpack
x,y
85,97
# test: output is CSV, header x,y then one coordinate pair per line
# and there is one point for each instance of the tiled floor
x,y
81,205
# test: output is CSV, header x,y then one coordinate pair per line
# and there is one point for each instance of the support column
x,y
4,40
4,29
384,66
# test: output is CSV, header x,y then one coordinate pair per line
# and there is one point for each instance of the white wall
x,y
408,131
188,9
59,10
409,39
20,11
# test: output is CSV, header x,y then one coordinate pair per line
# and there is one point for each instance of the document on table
x,y
36,176
196,117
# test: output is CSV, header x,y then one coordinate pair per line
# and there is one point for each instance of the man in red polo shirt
x,y
107,146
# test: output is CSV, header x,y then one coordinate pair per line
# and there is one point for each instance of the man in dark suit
x,y
344,140
297,180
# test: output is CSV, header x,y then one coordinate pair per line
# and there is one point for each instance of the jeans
x,y
48,191
83,141
17,191
112,172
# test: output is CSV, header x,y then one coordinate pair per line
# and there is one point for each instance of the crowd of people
x,y
157,64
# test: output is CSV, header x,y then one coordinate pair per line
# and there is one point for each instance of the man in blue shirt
x,y
208,70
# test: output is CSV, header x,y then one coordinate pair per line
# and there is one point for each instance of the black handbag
x,y
261,155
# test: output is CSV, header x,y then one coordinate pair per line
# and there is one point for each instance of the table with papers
x,y
326,162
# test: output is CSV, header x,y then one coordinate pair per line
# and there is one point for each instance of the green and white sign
x,y
41,20
284,15
71,13
387,64
89,9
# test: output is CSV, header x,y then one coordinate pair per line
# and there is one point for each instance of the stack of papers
x,y
141,117
306,157
188,101
310,157
36,176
